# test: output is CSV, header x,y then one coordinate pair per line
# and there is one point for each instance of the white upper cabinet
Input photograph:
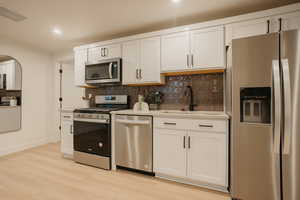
x,y
141,61
290,21
97,54
80,59
175,51
169,152
207,157
12,70
131,61
247,29
150,61
208,48
199,49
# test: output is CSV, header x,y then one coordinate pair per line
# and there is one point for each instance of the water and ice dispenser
x,y
256,105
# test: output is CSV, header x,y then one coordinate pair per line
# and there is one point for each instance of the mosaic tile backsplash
x,y
207,88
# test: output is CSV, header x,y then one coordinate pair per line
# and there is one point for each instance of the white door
x,y
131,61
150,60
175,51
208,48
207,157
80,58
67,137
247,29
71,95
169,153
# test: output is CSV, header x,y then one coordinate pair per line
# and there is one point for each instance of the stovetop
x,y
99,110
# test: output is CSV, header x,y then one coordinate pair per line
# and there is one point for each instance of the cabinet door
x,y
169,153
112,51
247,29
150,60
131,61
67,137
207,157
80,58
208,48
290,21
95,54
175,51
10,71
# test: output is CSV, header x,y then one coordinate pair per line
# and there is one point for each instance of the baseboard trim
x,y
192,182
24,146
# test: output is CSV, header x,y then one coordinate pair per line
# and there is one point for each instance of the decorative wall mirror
x,y
10,94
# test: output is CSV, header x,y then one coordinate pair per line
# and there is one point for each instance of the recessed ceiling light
x,y
176,1
57,31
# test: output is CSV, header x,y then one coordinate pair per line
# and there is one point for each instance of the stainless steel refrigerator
x,y
265,129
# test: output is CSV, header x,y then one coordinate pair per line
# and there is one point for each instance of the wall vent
x,y
4,12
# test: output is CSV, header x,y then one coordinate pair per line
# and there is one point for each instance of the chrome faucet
x,y
189,92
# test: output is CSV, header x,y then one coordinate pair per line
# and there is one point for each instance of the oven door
x,y
92,138
107,71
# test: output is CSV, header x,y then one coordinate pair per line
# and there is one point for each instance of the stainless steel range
x,y
92,131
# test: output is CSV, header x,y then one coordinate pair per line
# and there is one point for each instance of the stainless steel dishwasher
x,y
133,142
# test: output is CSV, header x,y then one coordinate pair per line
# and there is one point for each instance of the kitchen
x,y
202,109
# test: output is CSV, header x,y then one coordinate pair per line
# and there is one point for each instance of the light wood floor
x,y
42,174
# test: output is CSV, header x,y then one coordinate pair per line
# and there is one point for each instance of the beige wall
x,y
37,87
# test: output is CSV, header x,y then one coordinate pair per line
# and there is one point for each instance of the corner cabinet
x,y
141,62
194,50
67,134
80,59
192,151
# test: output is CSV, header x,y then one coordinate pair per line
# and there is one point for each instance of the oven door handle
x,y
110,70
100,121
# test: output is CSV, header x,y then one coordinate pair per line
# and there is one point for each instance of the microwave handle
x,y
110,70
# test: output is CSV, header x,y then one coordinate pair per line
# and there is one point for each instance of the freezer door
x,y
255,154
291,132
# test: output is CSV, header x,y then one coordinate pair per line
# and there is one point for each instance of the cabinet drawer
x,y
191,124
170,123
208,125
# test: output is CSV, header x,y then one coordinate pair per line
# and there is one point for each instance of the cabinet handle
x,y
184,142
71,129
187,61
280,24
105,52
68,117
140,74
137,74
192,60
206,126
189,142
102,52
268,26
168,123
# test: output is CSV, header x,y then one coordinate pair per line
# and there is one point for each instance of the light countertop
x,y
176,114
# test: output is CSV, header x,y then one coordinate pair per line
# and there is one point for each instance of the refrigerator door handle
x,y
277,105
287,107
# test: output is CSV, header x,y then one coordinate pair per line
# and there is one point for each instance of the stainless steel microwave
x,y
104,72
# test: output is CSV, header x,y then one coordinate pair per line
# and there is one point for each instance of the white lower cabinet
x,y
67,134
169,158
197,156
207,157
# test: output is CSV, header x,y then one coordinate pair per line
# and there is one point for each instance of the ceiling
x,y
85,21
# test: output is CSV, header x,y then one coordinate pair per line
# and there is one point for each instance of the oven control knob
x,y
100,144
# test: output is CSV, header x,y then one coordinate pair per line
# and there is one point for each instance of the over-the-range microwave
x,y
104,72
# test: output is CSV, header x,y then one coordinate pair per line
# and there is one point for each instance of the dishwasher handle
x,y
133,122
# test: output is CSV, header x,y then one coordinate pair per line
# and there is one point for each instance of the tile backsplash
x,y
207,88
